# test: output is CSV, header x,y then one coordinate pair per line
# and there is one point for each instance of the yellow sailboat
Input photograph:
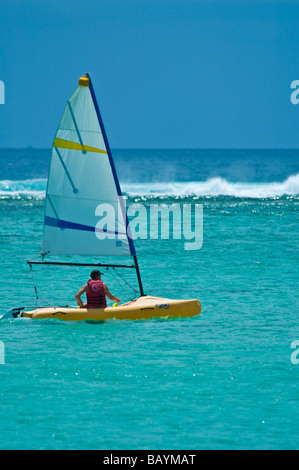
x,y
82,175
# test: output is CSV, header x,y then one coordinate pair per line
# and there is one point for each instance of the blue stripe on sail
x,y
52,222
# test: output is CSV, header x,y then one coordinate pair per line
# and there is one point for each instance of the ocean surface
x,y
222,380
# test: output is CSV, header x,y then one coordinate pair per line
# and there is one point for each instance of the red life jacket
x,y
96,297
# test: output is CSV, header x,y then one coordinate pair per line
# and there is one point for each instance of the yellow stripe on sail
x,y
67,144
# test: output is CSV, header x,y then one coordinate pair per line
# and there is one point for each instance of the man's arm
x,y
81,292
109,295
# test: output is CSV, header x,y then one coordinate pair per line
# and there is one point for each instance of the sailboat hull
x,y
140,309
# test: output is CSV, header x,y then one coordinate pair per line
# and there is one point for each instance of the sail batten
x,y
82,177
75,123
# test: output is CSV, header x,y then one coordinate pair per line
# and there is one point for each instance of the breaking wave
x,y
216,187
36,189
31,189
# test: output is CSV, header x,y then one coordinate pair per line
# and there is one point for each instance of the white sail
x,y
81,177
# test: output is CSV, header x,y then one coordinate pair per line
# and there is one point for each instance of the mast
x,y
138,275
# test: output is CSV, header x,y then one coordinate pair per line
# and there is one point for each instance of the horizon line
x,y
163,148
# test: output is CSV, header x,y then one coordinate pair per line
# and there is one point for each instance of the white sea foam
x,y
36,188
215,187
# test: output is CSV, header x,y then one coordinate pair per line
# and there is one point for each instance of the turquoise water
x,y
222,380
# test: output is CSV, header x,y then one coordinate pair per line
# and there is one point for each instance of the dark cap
x,y
95,273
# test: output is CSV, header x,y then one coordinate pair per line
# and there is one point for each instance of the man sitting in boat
x,y
96,292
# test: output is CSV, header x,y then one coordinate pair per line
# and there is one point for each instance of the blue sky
x,y
167,73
